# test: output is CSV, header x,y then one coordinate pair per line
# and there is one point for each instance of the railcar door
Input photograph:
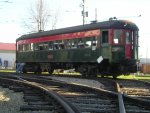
x,y
105,47
117,46
128,44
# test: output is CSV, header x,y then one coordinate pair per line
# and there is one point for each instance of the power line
x,y
6,1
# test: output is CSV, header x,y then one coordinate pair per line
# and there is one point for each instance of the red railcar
x,y
106,48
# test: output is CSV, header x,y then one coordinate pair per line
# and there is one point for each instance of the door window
x,y
128,37
104,37
117,36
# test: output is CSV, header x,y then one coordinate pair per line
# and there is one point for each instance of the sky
x,y
14,13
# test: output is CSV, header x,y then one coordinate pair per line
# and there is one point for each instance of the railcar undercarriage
x,y
91,69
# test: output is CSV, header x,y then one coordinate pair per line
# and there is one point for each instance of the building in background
x,y
144,61
145,65
7,55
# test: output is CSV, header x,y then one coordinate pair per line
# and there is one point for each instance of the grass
x,y
140,76
7,70
145,77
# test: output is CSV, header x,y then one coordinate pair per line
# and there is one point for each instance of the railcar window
x,y
50,46
56,45
117,36
41,47
60,44
36,46
94,41
27,47
20,48
32,46
128,37
45,45
23,47
67,44
74,43
104,36
81,43
132,39
88,42
136,37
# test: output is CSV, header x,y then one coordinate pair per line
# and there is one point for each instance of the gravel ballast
x,y
11,101
88,82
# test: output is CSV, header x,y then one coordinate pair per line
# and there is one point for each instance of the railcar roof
x,y
115,24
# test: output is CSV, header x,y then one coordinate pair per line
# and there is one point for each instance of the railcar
x,y
105,48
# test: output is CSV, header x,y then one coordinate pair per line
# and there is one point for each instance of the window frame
x,y
104,39
117,32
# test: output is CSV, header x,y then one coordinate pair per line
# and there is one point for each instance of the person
x,y
5,64
0,62
19,67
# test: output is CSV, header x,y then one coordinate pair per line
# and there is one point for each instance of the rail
x,y
66,106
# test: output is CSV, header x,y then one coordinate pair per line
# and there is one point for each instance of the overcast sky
x,y
14,12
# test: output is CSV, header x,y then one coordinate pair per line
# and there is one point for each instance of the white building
x,y
7,55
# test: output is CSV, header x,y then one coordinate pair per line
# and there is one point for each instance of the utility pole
x,y
96,14
83,12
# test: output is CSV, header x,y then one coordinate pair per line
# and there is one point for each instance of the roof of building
x,y
7,46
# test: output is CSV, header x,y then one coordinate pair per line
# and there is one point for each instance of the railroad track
x,y
134,88
37,98
108,84
93,100
130,88
130,105
86,99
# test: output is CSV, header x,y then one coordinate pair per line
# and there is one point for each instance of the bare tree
x,y
39,15
40,18
54,20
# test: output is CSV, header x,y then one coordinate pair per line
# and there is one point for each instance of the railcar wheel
x,y
50,71
114,77
37,69
94,72
24,70
102,76
84,75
